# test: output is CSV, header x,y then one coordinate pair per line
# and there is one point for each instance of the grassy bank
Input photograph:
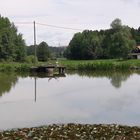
x,y
101,64
75,65
11,66
16,67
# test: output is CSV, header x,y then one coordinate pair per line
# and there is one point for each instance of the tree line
x,y
45,52
116,42
12,45
14,48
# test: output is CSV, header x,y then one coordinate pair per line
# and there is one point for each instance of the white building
x,y
136,53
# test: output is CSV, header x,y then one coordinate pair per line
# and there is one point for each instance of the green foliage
x,y
136,35
121,43
23,68
43,52
12,46
117,42
57,52
31,59
20,49
15,66
85,45
30,50
116,24
113,64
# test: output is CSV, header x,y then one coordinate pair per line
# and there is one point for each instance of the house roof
x,y
138,47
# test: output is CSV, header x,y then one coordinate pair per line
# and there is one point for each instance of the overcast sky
x,y
80,14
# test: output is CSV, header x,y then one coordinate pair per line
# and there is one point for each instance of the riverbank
x,y
112,64
74,132
17,67
14,66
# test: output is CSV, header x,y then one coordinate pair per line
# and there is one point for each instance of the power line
x,y
23,22
49,25
60,27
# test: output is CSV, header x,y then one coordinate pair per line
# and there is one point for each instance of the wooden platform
x,y
49,69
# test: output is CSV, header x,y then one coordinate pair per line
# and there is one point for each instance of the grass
x,y
15,66
11,66
75,65
101,64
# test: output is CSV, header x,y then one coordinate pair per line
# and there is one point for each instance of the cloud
x,y
89,14
137,2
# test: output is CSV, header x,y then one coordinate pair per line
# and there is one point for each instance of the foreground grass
x,y
74,132
101,64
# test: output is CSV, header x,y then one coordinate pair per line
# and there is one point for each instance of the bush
x,y
31,59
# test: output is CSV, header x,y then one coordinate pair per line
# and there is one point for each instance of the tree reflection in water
x,y
7,81
116,77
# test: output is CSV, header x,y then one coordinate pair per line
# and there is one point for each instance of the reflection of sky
x,y
71,99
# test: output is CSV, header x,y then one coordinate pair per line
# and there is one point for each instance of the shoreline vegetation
x,y
108,64
74,132
75,65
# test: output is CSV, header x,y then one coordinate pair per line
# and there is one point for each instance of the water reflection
x,y
80,97
50,76
116,77
46,75
35,89
7,81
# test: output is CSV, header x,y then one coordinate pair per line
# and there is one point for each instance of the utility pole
x,y
35,43
35,54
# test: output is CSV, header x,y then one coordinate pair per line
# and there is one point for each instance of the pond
x,y
78,97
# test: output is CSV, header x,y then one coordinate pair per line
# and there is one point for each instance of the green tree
x,y
121,41
74,49
116,42
12,46
95,45
116,24
20,49
136,35
30,50
43,52
85,45
106,43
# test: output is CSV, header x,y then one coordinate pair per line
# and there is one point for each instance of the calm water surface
x,y
80,97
